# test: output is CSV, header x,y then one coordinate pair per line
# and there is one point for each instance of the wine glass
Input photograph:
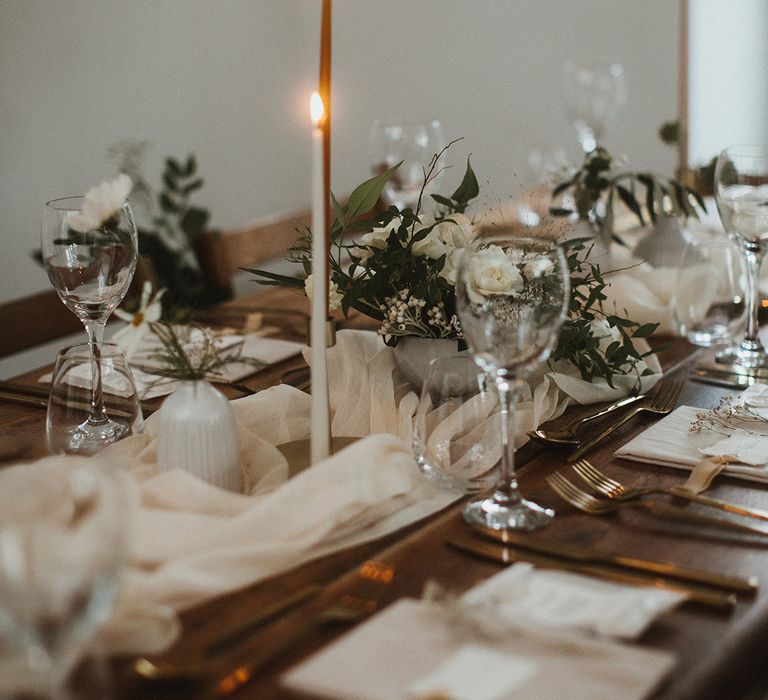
x,y
412,143
592,97
91,271
512,294
741,193
455,432
69,400
62,546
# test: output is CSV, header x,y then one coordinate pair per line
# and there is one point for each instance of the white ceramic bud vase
x,y
196,432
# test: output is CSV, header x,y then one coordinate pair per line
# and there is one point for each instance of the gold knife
x,y
719,600
579,554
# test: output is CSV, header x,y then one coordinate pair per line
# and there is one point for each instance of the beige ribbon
x,y
705,471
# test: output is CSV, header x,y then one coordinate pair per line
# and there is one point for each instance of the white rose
x,y
335,297
493,272
101,203
450,234
377,238
538,267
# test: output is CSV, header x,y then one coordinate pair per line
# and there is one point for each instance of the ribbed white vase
x,y
196,432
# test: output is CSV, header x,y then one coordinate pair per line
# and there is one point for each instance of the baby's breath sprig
x,y
729,415
193,353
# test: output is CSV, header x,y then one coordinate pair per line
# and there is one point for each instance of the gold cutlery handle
x,y
584,556
583,420
694,516
680,492
596,439
712,598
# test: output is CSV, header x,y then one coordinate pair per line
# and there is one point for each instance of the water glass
x,y
456,436
70,401
708,304
62,546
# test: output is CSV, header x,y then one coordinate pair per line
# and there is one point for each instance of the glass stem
x,y
95,331
754,257
506,490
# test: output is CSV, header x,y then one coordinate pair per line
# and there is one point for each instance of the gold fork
x,y
617,491
586,502
663,401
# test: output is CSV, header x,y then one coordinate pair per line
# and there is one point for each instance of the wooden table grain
x,y
720,655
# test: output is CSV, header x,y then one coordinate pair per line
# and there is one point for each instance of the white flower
x,y
130,337
101,203
538,267
335,297
493,272
377,238
450,234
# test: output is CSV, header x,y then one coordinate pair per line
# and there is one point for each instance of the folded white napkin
x,y
458,660
671,442
521,594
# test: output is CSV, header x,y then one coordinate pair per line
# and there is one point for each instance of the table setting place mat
x,y
524,632
193,541
268,351
734,434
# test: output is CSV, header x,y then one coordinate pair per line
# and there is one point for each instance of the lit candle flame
x,y
316,109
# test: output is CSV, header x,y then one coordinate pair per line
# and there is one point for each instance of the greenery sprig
x,y
596,187
192,353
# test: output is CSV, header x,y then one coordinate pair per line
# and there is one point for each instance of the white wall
x,y
728,75
230,79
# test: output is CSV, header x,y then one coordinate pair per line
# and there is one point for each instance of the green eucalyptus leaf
x,y
442,200
192,186
174,166
468,189
632,204
194,222
365,196
339,210
167,204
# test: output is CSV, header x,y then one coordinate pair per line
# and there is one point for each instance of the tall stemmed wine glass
x,y
512,295
90,248
741,193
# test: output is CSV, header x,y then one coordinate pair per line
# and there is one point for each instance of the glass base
x,y
749,358
91,436
518,515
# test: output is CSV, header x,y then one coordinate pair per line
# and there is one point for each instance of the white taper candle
x,y
321,432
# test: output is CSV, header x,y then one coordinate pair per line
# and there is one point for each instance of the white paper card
x,y
475,672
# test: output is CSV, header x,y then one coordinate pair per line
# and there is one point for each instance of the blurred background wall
x,y
229,81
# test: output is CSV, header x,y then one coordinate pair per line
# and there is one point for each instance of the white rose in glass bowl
x,y
493,272
538,267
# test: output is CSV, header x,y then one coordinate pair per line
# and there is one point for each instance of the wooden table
x,y
720,655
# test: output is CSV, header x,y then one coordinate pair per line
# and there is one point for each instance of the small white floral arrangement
x,y
402,273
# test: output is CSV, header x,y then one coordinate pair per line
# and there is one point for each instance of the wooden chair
x,y
34,320
223,253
